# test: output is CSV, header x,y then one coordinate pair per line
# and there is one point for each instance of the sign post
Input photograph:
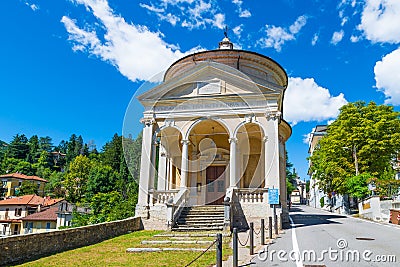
x,y
273,200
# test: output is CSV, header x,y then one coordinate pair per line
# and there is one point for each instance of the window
x,y
16,212
48,226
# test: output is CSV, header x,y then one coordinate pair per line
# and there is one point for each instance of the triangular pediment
x,y
208,79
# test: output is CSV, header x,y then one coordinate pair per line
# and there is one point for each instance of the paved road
x,y
328,239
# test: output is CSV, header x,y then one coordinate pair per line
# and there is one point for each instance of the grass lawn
x,y
113,253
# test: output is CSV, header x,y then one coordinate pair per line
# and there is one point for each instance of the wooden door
x,y
215,179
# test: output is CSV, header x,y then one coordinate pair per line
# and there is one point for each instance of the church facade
x,y
214,134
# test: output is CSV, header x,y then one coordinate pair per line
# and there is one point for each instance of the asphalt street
x,y
321,238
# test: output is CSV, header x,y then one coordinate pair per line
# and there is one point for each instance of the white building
x,y
213,129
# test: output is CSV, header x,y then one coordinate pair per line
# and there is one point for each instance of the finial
x,y
226,32
225,43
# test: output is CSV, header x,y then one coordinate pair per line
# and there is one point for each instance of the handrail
x,y
175,206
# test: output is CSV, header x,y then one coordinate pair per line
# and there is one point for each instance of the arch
x,y
263,130
165,126
218,120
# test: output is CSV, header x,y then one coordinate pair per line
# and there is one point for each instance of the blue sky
x,y
72,66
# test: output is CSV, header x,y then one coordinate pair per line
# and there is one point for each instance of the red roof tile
x,y
46,215
33,200
23,177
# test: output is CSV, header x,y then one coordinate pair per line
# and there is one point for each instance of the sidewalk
x,y
244,257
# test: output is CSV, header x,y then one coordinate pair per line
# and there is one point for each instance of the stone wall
x,y
22,248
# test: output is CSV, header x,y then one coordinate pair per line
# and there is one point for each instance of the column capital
x,y
233,140
185,142
273,115
147,121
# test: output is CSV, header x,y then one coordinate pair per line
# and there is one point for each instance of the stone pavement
x,y
244,257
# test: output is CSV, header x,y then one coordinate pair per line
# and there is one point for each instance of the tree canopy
x,y
363,140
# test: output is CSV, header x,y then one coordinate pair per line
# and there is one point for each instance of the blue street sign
x,y
273,196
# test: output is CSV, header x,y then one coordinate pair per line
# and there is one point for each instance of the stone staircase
x,y
201,218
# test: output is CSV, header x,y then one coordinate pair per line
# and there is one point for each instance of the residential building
x,y
43,221
13,210
10,183
214,131
316,194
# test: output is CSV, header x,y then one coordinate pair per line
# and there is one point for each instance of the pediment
x,y
208,79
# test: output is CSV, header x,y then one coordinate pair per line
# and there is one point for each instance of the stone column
x,y
162,169
145,167
233,179
185,163
153,164
271,151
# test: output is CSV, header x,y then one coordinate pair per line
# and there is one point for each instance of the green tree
x,y
46,144
18,147
363,135
76,178
27,188
102,179
54,187
291,176
34,149
357,186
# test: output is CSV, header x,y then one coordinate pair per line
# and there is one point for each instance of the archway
x,y
251,155
168,158
209,157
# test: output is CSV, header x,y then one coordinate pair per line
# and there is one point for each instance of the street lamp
x,y
354,156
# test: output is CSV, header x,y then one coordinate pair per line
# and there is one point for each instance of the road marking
x,y
299,262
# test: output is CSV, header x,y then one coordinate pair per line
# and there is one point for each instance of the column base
x,y
142,211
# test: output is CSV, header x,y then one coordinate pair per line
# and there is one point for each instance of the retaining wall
x,y
22,248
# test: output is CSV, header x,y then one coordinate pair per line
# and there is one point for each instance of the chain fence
x,y
201,254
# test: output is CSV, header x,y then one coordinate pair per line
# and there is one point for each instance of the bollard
x,y
251,238
219,250
262,232
270,227
235,247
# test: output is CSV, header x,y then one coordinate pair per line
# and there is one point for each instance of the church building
x,y
214,136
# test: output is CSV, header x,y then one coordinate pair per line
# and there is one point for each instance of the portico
x,y
213,129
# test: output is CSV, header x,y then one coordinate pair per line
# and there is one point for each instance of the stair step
x,y
164,242
201,218
187,229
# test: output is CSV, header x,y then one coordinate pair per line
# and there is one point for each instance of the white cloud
x,y
191,14
337,37
219,21
278,36
124,44
387,77
380,21
238,30
243,13
306,101
315,39
298,24
152,8
355,39
34,7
